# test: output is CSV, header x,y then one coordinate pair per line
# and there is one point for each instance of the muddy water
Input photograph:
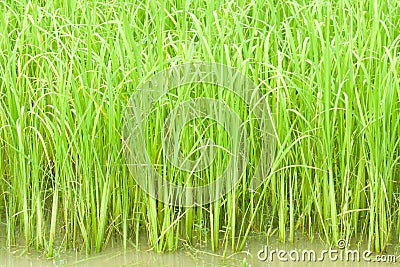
x,y
17,257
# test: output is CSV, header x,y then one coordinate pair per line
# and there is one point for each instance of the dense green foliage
x,y
330,70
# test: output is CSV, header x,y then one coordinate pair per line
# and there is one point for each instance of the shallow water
x,y
17,257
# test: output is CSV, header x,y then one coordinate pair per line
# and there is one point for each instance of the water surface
x,y
116,256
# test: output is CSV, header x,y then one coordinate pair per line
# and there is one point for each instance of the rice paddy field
x,y
329,71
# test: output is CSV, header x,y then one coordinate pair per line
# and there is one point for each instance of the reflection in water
x,y
188,257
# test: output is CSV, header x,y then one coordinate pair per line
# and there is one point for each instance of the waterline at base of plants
x,y
257,252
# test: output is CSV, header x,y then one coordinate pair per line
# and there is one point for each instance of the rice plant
x,y
329,70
